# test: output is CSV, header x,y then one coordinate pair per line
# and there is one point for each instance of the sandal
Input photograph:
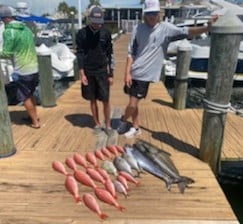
x,y
28,119
35,126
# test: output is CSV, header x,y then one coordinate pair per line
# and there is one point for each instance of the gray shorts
x,y
98,88
139,89
25,85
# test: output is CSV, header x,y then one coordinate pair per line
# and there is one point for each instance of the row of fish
x,y
98,172
108,170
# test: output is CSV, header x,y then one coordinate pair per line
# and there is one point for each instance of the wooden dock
x,y
32,193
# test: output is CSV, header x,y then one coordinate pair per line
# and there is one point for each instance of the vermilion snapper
x,y
90,157
79,159
90,201
59,167
106,152
84,178
113,150
72,186
109,186
106,197
95,175
129,178
71,163
99,155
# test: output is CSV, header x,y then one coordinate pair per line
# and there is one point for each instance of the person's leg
x,y
131,110
30,106
95,111
107,114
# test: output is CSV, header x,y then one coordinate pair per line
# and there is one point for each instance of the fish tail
x,y
103,216
168,185
182,186
78,200
188,180
119,207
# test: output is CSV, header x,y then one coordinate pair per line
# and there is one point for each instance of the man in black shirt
x,y
96,64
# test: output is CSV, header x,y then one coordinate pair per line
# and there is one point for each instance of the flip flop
x,y
28,119
34,126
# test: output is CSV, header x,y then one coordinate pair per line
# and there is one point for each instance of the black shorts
x,y
25,85
98,88
139,89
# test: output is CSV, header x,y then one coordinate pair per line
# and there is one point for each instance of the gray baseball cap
x,y
7,11
96,15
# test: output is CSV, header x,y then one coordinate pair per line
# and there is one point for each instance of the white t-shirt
x,y
148,46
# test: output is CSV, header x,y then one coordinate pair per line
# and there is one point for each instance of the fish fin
x,y
188,180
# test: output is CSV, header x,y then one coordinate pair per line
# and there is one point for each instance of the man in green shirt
x,y
18,44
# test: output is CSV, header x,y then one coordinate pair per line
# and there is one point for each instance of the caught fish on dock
x,y
122,165
72,187
128,156
149,163
108,166
71,163
84,178
79,159
59,167
95,175
90,201
167,165
106,197
120,188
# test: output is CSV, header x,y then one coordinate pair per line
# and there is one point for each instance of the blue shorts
x,y
25,85
138,89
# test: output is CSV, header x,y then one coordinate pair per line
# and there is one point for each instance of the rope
x,y
217,108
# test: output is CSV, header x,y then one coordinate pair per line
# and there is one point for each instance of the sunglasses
x,y
151,13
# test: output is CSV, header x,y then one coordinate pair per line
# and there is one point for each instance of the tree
x,y
93,2
64,8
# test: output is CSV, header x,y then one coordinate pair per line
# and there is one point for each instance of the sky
x,y
39,7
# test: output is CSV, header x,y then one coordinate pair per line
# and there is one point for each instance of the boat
x,y
200,55
200,51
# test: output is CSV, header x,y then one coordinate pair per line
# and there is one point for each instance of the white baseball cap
x,y
151,6
7,11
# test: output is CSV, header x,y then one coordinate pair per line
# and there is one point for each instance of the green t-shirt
x,y
18,43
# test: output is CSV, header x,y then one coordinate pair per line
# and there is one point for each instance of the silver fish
x,y
166,169
148,165
120,187
165,158
128,156
152,148
122,165
109,167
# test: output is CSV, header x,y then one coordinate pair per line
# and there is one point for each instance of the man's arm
x,y
194,31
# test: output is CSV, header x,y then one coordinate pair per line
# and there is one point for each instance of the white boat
x,y
61,58
199,61
200,55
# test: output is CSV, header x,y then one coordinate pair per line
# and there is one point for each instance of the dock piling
x,y
7,147
181,79
225,41
47,90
